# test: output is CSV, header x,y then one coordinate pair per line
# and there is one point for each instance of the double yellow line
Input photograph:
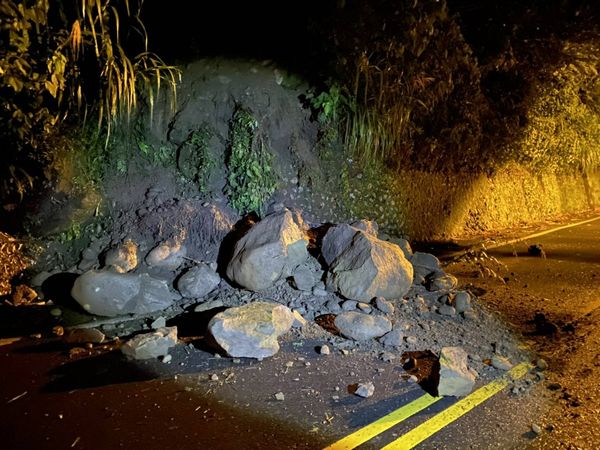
x,y
433,425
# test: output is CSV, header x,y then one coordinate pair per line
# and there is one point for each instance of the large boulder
x,y
360,326
336,240
370,267
268,252
251,331
106,293
456,378
198,281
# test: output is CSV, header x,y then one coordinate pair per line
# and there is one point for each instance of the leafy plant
x,y
251,179
58,59
162,155
194,158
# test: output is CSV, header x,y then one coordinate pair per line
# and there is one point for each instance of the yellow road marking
x,y
379,426
450,414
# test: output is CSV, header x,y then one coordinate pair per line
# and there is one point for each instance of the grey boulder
x,y
360,326
151,345
106,293
307,275
424,264
370,268
198,281
336,241
456,378
251,331
268,252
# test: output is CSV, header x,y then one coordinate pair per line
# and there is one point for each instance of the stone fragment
x,y
541,364
364,307
106,293
470,314
424,264
462,301
251,331
370,268
333,306
123,258
268,252
198,281
280,396
365,390
83,336
211,304
394,338
536,429
444,282
360,326
324,350
307,275
151,345
23,295
299,320
384,306
168,255
501,363
159,322
456,379
336,240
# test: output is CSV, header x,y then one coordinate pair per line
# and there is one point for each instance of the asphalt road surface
x,y
199,401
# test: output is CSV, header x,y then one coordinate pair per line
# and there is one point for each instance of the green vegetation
x,y
251,179
46,54
163,155
194,159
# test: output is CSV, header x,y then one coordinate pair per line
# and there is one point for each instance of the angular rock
x,y
106,293
456,379
424,264
447,310
370,268
151,345
123,258
168,255
364,390
307,275
268,252
198,281
336,241
349,305
360,326
251,331
159,322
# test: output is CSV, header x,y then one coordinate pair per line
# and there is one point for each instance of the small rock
x,y
447,310
333,306
84,335
456,379
501,363
324,350
151,345
299,321
166,359
58,330
206,306
279,396
365,390
387,356
412,340
536,429
349,305
394,338
541,364
413,379
470,314
214,377
364,307
442,282
123,258
307,275
462,301
384,306
23,295
56,312
360,326
160,322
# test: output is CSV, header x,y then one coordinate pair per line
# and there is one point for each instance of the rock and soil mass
x,y
275,279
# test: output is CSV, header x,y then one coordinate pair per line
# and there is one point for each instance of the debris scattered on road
x,y
364,390
279,396
501,363
151,345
